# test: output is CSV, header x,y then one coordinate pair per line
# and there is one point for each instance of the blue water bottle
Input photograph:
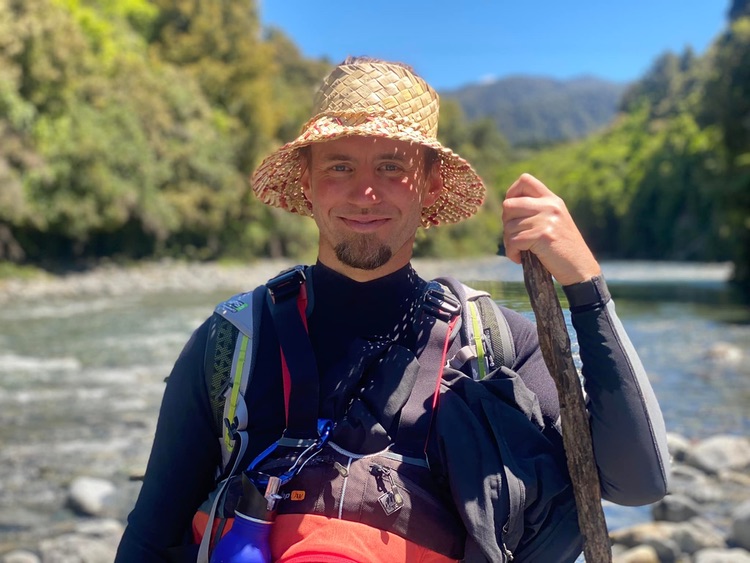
x,y
248,539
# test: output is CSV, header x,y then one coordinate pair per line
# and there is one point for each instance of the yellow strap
x,y
476,329
237,380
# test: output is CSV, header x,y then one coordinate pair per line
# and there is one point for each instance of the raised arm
x,y
626,422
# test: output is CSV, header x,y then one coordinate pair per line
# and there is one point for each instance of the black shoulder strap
x,y
299,364
436,321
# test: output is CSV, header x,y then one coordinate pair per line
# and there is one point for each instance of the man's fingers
x,y
527,186
522,206
523,234
537,220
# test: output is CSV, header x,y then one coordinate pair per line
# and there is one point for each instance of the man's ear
x,y
434,185
304,179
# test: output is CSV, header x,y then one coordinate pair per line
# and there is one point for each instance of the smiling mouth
x,y
364,224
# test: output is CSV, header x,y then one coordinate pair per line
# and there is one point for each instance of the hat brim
x,y
276,181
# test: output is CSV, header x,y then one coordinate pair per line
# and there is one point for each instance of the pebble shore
x,y
705,519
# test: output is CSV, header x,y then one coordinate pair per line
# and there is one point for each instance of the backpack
x,y
485,345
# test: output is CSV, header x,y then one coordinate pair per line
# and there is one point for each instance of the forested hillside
x,y
538,111
128,130
670,179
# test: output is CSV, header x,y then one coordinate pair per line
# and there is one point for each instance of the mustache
x,y
363,211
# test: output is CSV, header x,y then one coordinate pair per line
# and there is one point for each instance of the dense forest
x,y
128,130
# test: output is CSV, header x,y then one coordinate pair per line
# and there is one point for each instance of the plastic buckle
x,y
440,303
286,284
232,427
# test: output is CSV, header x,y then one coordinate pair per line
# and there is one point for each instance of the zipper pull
x,y
508,553
343,471
391,501
397,498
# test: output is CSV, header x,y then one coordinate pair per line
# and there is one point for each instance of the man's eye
x,y
339,168
391,167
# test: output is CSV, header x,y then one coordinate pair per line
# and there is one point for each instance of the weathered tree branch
x,y
555,345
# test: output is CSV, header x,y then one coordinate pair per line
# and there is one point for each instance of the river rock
x,y
655,535
694,483
675,508
93,541
639,554
670,540
72,548
720,453
737,482
713,555
725,353
699,534
740,534
89,496
677,445
20,556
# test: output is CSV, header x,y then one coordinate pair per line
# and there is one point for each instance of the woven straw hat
x,y
374,99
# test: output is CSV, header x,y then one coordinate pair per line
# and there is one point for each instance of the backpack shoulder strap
x,y
230,356
231,351
229,361
486,340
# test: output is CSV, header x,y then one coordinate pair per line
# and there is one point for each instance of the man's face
x,y
367,196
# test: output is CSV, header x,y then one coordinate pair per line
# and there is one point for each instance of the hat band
x,y
361,123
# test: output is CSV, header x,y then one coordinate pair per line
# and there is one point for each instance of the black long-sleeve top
x,y
624,414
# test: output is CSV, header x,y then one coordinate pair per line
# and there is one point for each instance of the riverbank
x,y
140,278
172,275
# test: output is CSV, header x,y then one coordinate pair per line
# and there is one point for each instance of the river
x,y
82,369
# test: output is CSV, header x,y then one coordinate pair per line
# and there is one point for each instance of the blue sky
x,y
454,43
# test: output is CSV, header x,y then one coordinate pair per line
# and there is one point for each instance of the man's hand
x,y
537,220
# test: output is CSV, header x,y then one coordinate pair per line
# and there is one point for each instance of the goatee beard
x,y
363,252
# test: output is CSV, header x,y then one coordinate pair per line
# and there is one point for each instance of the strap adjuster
x,y
440,303
286,284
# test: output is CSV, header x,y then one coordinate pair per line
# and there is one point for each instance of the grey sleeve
x,y
627,426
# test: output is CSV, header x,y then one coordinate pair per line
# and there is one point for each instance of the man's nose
x,y
364,190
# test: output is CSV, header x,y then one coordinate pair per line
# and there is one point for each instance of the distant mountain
x,y
536,110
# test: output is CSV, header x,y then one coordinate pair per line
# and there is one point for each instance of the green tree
x,y
256,85
739,9
727,105
671,86
219,43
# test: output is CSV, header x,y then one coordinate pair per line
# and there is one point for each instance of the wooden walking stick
x,y
555,344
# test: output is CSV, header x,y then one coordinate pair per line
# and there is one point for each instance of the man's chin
x,y
363,253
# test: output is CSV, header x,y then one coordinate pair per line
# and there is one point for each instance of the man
x,y
473,470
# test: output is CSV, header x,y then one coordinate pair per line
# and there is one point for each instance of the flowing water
x,y
81,376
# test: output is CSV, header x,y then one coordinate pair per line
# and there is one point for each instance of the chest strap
x,y
438,315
